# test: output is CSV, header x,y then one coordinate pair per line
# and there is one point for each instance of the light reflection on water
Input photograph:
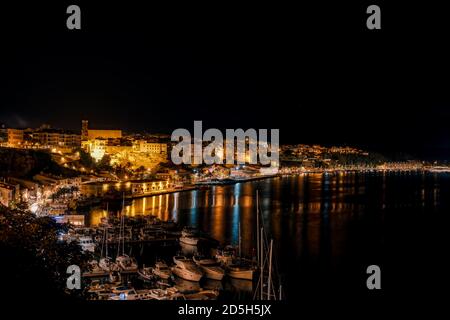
x,y
317,221
219,209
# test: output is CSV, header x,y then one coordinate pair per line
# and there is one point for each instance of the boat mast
x,y
123,225
105,235
261,247
269,282
257,227
261,259
103,244
106,241
120,228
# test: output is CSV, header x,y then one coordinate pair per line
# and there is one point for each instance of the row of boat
x,y
215,266
124,292
192,269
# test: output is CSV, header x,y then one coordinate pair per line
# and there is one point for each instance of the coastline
x,y
203,185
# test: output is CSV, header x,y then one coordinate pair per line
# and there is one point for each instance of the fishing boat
x,y
121,289
108,265
186,269
210,268
162,270
203,295
95,287
188,250
133,294
213,272
198,259
166,294
146,273
225,256
115,277
126,263
241,271
180,259
189,232
86,243
190,240
94,269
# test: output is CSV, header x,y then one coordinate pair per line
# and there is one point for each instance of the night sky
x,y
314,72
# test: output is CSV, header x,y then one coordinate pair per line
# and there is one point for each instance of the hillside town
x,y
75,169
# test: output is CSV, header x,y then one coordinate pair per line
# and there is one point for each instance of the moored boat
x,y
162,270
225,257
189,240
146,273
213,272
203,295
189,232
186,269
239,271
107,265
210,267
198,259
86,243
93,269
126,263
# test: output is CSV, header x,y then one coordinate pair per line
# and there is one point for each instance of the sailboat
x,y
265,289
106,263
125,262
239,268
93,269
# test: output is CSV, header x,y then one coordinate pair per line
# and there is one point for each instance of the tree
x,y
105,163
86,160
34,258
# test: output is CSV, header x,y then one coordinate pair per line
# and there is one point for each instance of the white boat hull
x,y
214,273
241,274
187,274
126,263
189,240
145,274
161,274
107,265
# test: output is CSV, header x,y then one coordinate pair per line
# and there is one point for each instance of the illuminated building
x,y
150,147
57,138
9,194
91,134
15,137
104,134
98,148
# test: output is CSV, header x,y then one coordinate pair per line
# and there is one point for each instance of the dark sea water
x,y
326,228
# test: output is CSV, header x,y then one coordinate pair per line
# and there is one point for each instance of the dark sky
x,y
313,71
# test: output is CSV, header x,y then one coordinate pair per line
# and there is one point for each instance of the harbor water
x,y
327,228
